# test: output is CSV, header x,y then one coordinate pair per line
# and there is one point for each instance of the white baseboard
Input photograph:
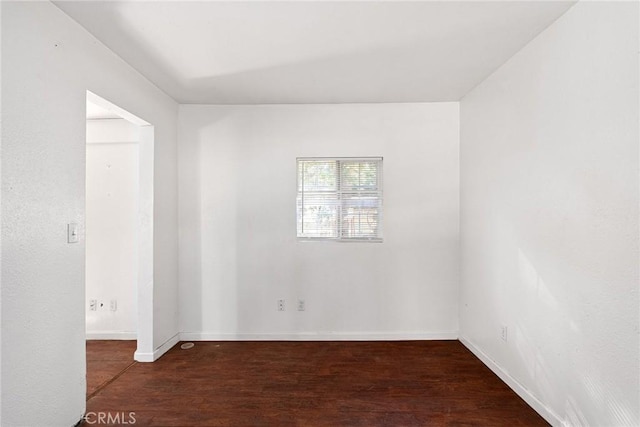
x,y
546,412
111,335
319,336
158,352
300,336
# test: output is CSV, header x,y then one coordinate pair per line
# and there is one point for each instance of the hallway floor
x,y
106,360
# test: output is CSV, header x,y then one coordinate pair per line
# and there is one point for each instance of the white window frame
x,y
339,192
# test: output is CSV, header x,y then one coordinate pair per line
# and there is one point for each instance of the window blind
x,y
340,198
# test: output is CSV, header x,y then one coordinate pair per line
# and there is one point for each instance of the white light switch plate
x,y
72,233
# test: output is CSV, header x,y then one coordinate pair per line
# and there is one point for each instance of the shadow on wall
x,y
193,154
538,306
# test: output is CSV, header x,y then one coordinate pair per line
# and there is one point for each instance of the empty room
x,y
320,213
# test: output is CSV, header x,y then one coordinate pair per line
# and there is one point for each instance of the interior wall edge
x,y
140,356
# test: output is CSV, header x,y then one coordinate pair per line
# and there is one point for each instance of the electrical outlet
x,y
301,305
93,305
113,305
280,305
504,333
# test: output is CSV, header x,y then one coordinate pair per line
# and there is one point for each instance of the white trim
x,y
158,352
318,336
111,335
113,142
544,411
143,357
144,227
107,105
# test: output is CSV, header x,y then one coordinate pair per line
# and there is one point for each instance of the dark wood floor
x,y
105,360
417,383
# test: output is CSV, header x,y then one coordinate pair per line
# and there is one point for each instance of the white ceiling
x,y
269,52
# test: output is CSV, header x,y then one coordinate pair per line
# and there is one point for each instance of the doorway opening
x,y
119,226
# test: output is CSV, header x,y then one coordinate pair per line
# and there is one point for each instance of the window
x,y
340,199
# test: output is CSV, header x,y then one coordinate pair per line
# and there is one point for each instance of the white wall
x,y
238,248
1,137
111,228
549,218
49,62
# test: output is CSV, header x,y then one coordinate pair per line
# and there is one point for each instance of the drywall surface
x,y
549,217
111,228
48,64
0,221
238,248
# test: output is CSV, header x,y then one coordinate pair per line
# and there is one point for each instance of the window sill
x,y
328,239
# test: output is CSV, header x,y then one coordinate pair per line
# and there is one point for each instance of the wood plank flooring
x,y
105,360
414,383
